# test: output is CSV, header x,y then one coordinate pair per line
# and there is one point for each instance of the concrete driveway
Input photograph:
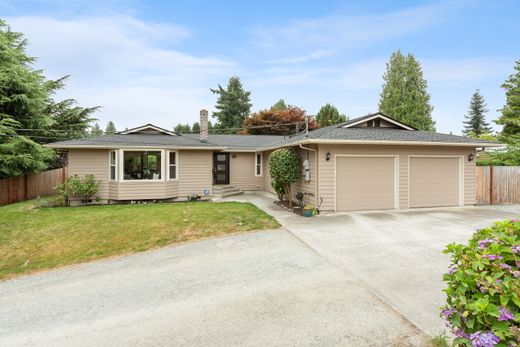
x,y
360,279
396,255
255,289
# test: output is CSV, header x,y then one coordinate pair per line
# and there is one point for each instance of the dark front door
x,y
220,168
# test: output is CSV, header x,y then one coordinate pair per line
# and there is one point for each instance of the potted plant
x,y
309,210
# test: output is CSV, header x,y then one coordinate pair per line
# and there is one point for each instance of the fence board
x,y
506,185
31,186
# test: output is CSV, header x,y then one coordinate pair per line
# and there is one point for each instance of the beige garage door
x,y
434,182
365,183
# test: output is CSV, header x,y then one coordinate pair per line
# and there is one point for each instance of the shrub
x,y
483,293
284,167
75,187
488,162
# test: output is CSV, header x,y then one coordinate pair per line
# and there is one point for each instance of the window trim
x,y
168,166
115,179
261,164
122,164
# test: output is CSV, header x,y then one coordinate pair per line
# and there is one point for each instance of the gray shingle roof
x,y
383,134
242,142
138,140
259,142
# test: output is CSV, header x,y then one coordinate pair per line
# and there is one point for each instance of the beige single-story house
x,y
368,163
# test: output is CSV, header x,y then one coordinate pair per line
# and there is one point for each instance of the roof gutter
x,y
50,145
406,143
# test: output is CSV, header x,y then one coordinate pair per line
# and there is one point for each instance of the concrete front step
x,y
225,191
225,195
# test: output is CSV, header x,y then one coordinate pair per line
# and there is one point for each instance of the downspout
x,y
316,195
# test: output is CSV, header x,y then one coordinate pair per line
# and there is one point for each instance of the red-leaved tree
x,y
277,122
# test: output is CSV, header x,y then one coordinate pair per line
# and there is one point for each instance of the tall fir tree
x,y
405,92
195,128
329,115
233,105
510,117
96,130
111,128
475,124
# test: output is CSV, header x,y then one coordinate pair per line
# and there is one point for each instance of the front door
x,y
220,168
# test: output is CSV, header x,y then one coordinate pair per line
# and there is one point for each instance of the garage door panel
x,y
365,183
434,182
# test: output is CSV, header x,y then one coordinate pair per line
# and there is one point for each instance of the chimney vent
x,y
204,125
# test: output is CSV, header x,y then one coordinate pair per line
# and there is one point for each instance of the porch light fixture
x,y
327,156
470,157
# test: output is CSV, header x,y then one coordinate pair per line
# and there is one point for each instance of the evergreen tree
x,y
233,105
182,128
510,117
28,113
111,128
329,115
195,128
475,124
405,96
280,105
96,130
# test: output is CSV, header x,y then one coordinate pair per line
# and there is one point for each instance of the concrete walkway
x,y
396,255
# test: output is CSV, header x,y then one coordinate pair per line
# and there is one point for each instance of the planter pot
x,y
308,213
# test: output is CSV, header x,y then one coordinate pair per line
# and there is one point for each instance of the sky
x,y
155,61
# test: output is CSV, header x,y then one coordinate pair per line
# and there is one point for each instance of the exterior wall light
x,y
327,156
470,157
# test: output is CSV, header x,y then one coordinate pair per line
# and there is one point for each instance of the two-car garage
x,y
372,182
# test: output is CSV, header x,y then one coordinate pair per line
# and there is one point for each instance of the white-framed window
x,y
173,160
258,164
142,165
112,163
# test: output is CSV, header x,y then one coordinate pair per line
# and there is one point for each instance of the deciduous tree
x,y
277,122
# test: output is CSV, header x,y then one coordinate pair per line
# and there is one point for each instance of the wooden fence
x,y
498,185
31,186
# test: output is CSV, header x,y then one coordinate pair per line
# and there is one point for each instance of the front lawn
x,y
34,239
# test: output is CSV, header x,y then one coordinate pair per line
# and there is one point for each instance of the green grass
x,y
33,239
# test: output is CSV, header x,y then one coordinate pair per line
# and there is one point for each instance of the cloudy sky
x,y
154,61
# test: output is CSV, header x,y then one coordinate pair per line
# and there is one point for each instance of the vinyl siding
x,y
326,168
195,172
242,171
301,185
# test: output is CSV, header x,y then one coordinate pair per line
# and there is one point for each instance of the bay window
x,y
141,165
112,163
172,165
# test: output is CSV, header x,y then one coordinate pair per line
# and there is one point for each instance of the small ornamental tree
x,y
483,303
284,168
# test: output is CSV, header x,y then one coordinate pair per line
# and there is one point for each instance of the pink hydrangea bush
x,y
483,293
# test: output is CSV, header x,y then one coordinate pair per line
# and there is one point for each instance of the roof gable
x,y
376,120
148,129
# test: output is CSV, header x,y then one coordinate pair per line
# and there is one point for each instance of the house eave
x,y
402,143
58,146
